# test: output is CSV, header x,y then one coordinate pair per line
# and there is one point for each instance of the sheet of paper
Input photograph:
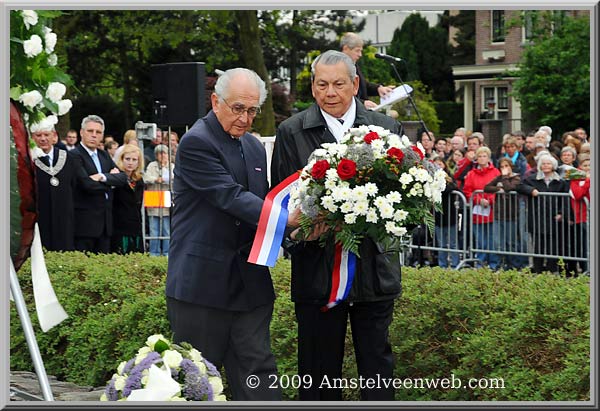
x,y
397,94
483,211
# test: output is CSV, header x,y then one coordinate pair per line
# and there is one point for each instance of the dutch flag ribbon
x,y
272,222
269,236
344,267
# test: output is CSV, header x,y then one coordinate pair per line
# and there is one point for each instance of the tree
x,y
554,77
426,55
464,52
251,52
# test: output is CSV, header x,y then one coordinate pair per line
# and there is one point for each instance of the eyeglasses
x,y
240,109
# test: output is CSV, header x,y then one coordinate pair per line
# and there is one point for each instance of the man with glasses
x,y
216,300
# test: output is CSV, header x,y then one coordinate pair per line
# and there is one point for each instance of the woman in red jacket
x,y
580,190
481,174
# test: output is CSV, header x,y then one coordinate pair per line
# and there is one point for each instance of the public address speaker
x,y
178,93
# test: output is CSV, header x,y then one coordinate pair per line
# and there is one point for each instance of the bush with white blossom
x,y
37,84
373,183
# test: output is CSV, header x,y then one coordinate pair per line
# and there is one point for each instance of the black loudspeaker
x,y
178,93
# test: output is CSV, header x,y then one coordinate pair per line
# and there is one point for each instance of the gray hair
x,y
570,150
331,58
479,135
94,118
223,85
351,40
547,156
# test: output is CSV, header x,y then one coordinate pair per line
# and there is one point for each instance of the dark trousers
x,y
94,244
237,340
321,337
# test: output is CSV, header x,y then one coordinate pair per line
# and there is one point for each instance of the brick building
x,y
485,87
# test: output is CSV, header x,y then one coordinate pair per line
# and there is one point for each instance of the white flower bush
x,y
37,85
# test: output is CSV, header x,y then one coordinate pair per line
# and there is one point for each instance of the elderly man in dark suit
x,y
216,300
377,283
93,205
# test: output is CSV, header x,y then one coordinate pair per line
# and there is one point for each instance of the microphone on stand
x,y
387,57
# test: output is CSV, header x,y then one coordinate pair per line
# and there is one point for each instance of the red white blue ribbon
x,y
272,223
344,267
269,236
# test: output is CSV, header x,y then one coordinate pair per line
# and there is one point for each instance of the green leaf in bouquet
x,y
161,346
350,241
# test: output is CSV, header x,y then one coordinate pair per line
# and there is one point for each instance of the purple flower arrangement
x,y
164,371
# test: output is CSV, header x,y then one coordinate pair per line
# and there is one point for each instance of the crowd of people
x,y
91,191
507,213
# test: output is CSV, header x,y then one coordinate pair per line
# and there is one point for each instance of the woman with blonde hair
x,y
127,204
130,137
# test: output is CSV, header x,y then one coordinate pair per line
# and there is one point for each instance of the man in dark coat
x,y
93,205
56,176
216,300
377,281
352,45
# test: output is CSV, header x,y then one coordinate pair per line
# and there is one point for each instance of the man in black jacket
x,y
377,281
352,45
93,205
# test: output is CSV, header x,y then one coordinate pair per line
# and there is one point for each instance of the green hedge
x,y
529,332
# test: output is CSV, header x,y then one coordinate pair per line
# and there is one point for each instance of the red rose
x,y
319,169
346,169
418,151
371,136
396,153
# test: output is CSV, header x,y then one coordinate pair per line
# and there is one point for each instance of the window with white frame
x,y
494,101
498,27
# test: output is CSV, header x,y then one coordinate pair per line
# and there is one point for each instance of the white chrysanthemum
x,y
378,129
406,141
422,175
406,178
393,140
337,193
372,216
378,147
358,139
362,129
30,18
330,184
371,189
50,42
64,106
52,60
361,207
347,207
380,202
400,215
33,46
320,152
427,191
345,138
328,203
394,197
387,211
359,193
350,218
413,171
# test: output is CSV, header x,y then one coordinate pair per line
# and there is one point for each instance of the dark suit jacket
x,y
365,88
93,209
378,274
218,197
56,218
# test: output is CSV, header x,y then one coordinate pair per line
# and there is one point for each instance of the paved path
x,y
27,382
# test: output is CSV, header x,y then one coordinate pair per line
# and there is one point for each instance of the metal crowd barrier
x,y
525,232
